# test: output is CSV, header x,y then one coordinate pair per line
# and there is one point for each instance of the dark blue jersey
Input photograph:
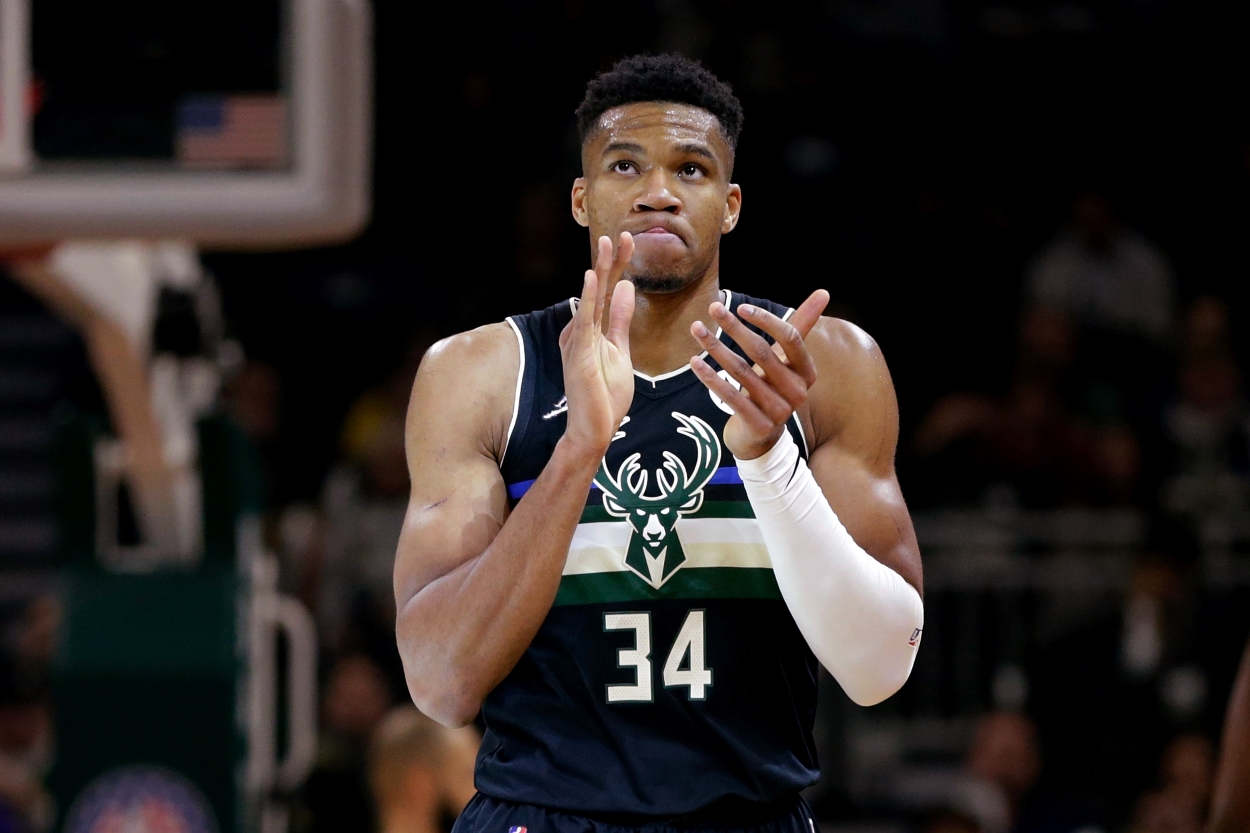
x,y
669,673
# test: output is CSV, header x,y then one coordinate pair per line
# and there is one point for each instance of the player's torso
x,y
669,672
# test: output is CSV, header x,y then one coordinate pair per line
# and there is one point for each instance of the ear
x,y
580,214
733,207
613,507
693,504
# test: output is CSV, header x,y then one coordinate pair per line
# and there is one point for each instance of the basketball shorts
x,y
491,815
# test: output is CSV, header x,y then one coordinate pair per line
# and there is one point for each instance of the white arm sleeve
x,y
860,618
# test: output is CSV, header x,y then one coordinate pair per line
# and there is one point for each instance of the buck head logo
x,y
655,551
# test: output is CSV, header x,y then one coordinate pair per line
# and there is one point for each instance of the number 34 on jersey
x,y
688,649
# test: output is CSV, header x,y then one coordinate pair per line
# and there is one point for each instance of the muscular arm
x,y
854,421
474,582
841,542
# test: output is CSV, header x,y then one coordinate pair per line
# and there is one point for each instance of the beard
x,y
651,284
662,283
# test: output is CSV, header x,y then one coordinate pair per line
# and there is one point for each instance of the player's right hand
x,y
598,373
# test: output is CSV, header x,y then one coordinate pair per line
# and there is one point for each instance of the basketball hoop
x,y
279,168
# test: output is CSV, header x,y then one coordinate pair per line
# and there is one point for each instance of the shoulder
x,y
845,351
492,343
853,401
467,382
479,361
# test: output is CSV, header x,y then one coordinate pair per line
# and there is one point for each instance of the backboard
x,y
230,123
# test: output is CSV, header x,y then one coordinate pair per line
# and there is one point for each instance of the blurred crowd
x,y
1120,398
1116,396
27,639
999,787
381,764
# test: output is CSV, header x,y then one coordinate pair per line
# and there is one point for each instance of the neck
x,y
659,337
408,819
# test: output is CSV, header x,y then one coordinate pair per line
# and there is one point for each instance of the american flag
x,y
233,131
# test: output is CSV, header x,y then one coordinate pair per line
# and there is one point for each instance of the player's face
x,y
661,172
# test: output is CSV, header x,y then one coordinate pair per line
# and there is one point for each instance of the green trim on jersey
x,y
686,583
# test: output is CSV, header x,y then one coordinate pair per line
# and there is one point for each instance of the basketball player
x,y
630,559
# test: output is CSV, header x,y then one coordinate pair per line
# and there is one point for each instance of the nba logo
x,y
518,830
915,637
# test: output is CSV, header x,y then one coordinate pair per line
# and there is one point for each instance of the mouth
x,y
659,234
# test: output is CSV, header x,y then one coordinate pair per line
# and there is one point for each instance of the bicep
x,y
458,501
854,414
448,523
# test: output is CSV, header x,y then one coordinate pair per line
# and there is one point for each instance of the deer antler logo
x,y
655,550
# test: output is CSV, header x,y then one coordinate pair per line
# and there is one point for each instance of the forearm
x,y
860,618
1230,804
462,633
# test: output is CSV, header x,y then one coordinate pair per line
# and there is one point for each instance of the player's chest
x,y
661,411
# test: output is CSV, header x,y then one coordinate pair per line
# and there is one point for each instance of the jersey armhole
x,y
516,397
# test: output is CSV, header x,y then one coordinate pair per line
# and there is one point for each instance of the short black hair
x,y
660,78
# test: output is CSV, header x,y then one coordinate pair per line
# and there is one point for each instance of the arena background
x,y
1079,480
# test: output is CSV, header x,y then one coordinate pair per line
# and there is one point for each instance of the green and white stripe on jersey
x,y
724,551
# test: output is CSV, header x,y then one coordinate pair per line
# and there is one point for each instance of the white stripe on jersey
x,y
707,542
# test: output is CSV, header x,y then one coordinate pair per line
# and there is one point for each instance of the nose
x,y
657,193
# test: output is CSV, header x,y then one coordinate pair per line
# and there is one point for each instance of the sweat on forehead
x,y
682,121
647,113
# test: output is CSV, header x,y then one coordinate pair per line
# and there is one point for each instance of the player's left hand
x,y
769,391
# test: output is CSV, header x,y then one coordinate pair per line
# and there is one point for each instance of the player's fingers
x,y
742,405
787,338
584,318
788,383
809,312
566,333
621,314
603,256
769,359
776,398
603,270
756,348
806,316
624,252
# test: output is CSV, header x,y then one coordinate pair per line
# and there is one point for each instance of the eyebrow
x,y
697,150
693,148
630,147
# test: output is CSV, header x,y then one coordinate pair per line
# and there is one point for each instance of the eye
x,y
691,171
624,167
664,511
640,512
